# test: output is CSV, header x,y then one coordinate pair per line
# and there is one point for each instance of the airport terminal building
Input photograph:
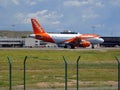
x,y
111,42
34,43
11,42
24,42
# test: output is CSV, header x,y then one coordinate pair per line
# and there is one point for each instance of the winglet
x,y
37,28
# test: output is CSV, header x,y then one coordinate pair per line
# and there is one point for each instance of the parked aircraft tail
x,y
37,28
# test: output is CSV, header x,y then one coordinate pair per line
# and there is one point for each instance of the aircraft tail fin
x,y
37,28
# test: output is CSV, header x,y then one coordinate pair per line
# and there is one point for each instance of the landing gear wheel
x,y
93,46
72,47
65,46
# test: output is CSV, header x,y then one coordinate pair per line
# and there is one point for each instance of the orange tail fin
x,y
37,28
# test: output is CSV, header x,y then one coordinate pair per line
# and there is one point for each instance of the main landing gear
x,y
68,46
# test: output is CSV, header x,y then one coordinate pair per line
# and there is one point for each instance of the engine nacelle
x,y
85,43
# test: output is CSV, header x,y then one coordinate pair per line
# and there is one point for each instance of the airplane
x,y
67,40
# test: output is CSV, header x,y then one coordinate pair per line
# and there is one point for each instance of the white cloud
x,y
78,3
43,16
56,22
89,14
98,26
4,3
16,2
115,3
96,3
72,3
20,17
32,2
8,3
99,4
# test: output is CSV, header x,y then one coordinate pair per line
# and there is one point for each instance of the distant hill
x,y
14,34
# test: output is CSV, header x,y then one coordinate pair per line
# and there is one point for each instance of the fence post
x,y
10,73
118,72
77,72
25,72
65,72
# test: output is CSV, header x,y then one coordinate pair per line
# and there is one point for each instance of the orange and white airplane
x,y
67,40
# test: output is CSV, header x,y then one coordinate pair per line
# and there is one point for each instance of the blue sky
x,y
84,16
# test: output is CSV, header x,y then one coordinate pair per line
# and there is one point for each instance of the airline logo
x,y
37,26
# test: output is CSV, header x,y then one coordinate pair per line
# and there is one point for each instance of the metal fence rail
x,y
66,75
118,61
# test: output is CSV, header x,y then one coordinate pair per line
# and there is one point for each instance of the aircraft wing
x,y
74,41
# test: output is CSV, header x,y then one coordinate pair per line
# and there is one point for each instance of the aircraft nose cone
x,y
101,40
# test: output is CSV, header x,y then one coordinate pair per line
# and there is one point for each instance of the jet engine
x,y
85,43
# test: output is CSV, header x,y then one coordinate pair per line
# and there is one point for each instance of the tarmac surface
x,y
76,49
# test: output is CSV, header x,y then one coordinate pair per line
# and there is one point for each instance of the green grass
x,y
47,67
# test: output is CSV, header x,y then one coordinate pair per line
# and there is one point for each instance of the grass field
x,y
45,68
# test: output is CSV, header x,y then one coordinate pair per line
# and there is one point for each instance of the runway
x,y
76,49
